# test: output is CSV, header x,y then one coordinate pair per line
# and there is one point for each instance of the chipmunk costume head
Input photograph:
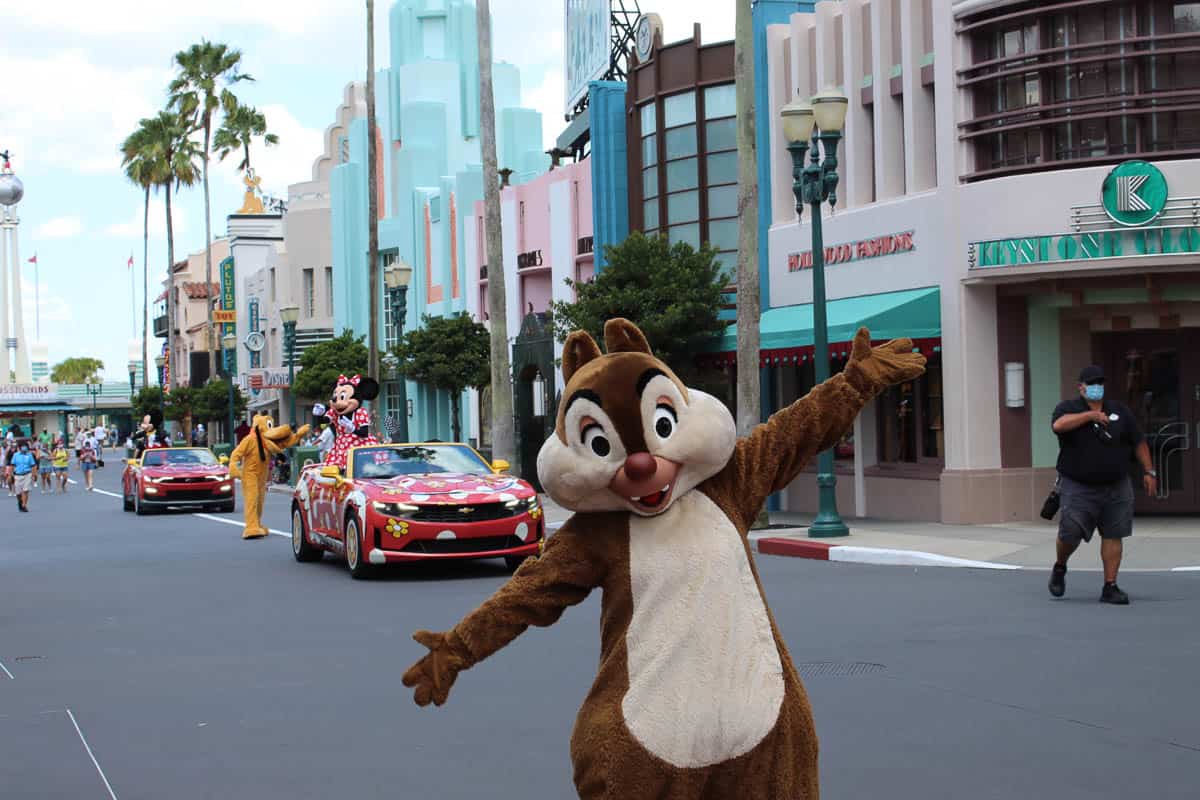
x,y
688,704
251,461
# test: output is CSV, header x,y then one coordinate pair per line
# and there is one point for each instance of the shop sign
x,y
1082,246
227,298
587,35
861,250
260,379
531,259
1134,193
28,392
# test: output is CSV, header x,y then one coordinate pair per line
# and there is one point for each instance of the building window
x,y
391,400
329,291
310,294
271,275
910,419
721,170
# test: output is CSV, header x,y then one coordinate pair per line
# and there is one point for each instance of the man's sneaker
x,y
1058,580
1111,593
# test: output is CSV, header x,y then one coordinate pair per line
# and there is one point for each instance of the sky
x,y
80,74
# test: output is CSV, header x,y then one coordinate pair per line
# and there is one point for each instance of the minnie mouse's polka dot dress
x,y
344,441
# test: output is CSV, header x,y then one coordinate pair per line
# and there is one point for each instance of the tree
x,y
163,145
321,364
672,292
211,401
240,126
447,353
78,369
137,160
201,87
503,444
373,266
181,404
147,400
749,411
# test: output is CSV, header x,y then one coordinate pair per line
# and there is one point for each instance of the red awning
x,y
797,355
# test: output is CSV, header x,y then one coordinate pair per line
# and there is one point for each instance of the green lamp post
x,y
817,126
94,389
288,315
228,353
396,277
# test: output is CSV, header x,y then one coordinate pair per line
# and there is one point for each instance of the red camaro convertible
x,y
176,476
414,502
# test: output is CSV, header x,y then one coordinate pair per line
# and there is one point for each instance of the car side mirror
x,y
500,465
223,459
331,472
133,462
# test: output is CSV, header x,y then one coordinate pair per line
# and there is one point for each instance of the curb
x,y
824,551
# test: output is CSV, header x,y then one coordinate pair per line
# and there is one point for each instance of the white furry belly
x,y
705,679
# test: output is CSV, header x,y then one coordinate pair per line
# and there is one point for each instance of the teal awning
x,y
915,313
38,407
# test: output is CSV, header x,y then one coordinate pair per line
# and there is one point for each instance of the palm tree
x,y
502,401
206,71
241,125
137,161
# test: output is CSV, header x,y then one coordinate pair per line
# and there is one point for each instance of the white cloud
x,y
59,228
141,17
54,308
132,229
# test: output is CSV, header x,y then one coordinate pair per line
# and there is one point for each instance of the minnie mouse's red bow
x,y
343,380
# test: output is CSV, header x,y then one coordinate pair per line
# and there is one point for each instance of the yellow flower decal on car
x,y
535,512
397,527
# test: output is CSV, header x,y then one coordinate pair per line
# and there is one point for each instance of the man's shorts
x,y
23,483
88,466
1086,507
60,469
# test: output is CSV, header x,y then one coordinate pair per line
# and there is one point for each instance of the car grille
x,y
184,494
198,479
480,512
477,545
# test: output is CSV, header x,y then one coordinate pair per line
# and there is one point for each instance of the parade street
x,y
191,664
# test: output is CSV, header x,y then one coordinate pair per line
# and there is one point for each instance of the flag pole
x,y
133,301
37,298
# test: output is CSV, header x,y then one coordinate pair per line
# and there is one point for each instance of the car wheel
x,y
138,507
353,547
513,562
126,502
302,549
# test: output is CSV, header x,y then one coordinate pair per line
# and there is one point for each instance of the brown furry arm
x,y
237,456
775,452
298,436
537,594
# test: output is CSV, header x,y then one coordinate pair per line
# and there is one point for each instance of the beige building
x,y
188,362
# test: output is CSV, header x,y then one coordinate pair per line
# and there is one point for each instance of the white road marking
x,y
1185,569
110,494
6,672
92,756
238,524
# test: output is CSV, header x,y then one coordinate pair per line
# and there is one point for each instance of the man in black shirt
x,y
1097,440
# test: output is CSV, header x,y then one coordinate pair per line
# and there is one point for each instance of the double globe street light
x,y
229,353
396,277
814,126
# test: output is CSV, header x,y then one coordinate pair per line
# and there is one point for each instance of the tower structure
x,y
12,328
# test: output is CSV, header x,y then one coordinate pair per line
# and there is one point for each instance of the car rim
x,y
297,531
352,544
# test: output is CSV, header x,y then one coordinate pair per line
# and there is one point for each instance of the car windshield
x,y
190,457
388,462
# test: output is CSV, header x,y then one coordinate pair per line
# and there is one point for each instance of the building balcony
x,y
160,326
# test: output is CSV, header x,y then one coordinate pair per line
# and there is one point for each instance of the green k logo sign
x,y
1134,193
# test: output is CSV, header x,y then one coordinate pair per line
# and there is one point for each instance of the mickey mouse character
x,y
346,415
146,437
696,697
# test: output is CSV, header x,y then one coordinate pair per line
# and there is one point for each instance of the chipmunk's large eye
x,y
665,421
594,438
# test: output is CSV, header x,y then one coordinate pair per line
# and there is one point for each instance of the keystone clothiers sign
x,y
887,245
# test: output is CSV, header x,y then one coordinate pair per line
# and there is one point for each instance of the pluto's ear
x,y
622,336
579,349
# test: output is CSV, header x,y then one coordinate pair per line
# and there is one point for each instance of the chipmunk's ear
x,y
622,336
579,349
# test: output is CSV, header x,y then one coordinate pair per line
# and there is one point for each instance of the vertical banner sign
x,y
587,35
255,356
228,302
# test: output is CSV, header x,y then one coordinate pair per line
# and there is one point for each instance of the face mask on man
x,y
1094,392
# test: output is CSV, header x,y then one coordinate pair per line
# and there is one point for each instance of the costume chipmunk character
x,y
696,696
251,461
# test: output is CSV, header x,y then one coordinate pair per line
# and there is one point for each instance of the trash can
x,y
302,456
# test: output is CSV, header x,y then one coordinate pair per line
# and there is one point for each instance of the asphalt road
x,y
191,664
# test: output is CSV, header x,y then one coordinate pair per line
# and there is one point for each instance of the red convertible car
x,y
176,476
414,502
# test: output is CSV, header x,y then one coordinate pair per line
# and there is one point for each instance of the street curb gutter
x,y
825,551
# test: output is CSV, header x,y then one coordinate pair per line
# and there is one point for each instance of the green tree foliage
x,y
78,369
181,404
241,124
321,364
211,401
449,353
148,399
672,292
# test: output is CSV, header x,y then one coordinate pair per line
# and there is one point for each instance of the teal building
x,y
430,176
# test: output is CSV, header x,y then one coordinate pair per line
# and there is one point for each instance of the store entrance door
x,y
1157,375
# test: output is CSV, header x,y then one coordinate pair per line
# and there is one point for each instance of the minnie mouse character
x,y
346,415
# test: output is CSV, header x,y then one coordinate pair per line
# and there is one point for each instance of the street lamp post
x,y
94,389
288,315
814,127
396,277
132,388
160,362
229,351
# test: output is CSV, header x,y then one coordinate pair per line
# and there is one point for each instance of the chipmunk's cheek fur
x,y
576,482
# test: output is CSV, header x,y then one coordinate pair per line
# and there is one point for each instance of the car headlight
x,y
395,509
156,480
526,504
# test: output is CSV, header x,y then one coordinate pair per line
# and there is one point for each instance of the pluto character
x,y
350,421
251,461
696,696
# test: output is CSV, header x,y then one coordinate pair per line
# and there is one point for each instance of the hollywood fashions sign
x,y
861,250
28,392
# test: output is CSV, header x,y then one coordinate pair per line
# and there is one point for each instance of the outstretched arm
x,y
774,453
537,594
298,436
237,456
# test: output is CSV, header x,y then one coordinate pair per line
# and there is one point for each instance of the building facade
x,y
429,180
989,150
187,363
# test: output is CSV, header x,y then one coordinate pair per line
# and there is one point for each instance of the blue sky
x,y
80,74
